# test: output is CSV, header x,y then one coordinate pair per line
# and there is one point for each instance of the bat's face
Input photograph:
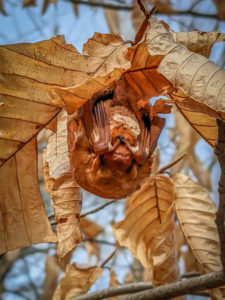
x,y
111,146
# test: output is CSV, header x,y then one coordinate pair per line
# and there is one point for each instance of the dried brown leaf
x,y
28,104
116,60
76,282
23,219
63,189
196,213
147,210
164,253
198,77
199,81
105,55
198,41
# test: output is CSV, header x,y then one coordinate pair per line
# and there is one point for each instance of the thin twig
x,y
220,153
141,5
54,223
108,258
99,241
97,209
170,165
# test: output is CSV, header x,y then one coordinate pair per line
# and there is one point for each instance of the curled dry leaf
x,y
76,282
199,81
147,210
63,189
194,74
198,41
196,213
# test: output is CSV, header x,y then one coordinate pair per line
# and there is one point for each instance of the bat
x,y
111,141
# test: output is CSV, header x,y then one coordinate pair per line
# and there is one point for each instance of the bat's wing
x,y
97,126
147,140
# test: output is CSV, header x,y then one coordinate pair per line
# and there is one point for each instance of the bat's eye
x,y
147,121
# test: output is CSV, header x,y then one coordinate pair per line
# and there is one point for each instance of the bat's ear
x,y
157,125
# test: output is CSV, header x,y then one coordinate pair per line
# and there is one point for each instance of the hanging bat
x,y
111,141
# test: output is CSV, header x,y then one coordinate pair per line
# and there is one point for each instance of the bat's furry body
x,y
111,142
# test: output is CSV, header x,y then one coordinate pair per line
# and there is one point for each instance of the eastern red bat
x,y
111,141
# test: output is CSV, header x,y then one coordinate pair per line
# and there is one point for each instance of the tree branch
x,y
114,291
130,7
188,286
220,153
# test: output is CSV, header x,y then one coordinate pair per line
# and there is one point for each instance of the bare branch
x,y
97,209
220,153
99,241
188,286
108,258
114,291
130,7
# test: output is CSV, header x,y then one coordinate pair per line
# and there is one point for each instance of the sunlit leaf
x,y
196,213
199,81
23,220
198,41
146,219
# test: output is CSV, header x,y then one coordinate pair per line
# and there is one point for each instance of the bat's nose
x,y
120,137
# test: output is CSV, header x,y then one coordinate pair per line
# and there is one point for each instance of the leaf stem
x,y
170,165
